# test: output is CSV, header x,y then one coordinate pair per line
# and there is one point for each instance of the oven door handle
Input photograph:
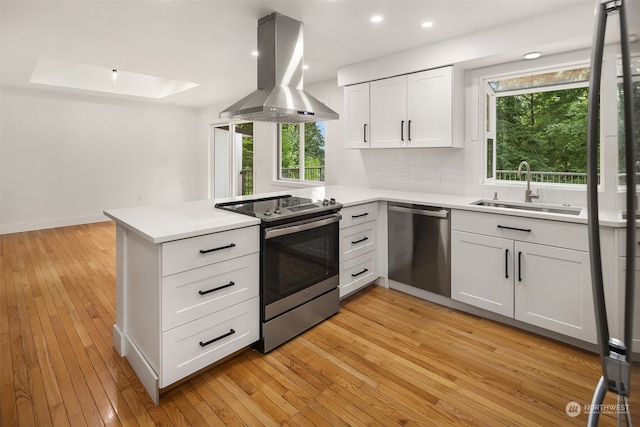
x,y
297,227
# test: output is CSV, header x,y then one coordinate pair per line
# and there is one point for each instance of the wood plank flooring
x,y
386,359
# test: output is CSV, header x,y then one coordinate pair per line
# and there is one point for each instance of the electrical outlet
x,y
139,197
437,176
403,174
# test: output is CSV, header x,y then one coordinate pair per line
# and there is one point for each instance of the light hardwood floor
x,y
386,359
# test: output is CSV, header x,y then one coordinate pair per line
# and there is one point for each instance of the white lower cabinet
x,y
512,273
189,302
622,270
553,290
475,276
357,272
358,247
195,345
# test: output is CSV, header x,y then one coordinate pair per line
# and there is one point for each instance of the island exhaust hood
x,y
280,97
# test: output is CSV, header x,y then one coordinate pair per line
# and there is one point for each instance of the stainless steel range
x,y
299,272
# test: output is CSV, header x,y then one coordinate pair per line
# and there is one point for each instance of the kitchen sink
x,y
535,207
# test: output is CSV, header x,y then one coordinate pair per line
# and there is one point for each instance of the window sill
x,y
298,184
534,185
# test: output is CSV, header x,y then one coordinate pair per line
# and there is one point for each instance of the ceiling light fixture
x,y
376,19
114,74
254,53
305,66
427,24
532,55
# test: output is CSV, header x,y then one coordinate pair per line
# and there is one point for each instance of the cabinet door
x,y
389,112
356,108
553,290
429,108
636,303
482,271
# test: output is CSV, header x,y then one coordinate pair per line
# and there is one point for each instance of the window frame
x,y
301,181
488,117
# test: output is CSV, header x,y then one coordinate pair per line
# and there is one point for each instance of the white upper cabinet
x,y
389,112
356,107
429,109
409,111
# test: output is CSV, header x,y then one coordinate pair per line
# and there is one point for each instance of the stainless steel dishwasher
x,y
419,247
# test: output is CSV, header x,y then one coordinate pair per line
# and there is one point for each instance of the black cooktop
x,y
280,207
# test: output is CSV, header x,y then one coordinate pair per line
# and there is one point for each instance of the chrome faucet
x,y
528,195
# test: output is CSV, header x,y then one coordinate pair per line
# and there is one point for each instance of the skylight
x,y
55,72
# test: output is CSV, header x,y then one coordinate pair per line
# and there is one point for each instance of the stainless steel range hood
x,y
280,97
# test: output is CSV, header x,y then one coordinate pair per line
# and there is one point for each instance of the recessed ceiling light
x,y
305,66
532,55
427,24
254,53
376,18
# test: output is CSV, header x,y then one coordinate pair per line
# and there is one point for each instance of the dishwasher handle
x,y
442,213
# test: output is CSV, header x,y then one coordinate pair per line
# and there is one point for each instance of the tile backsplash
x,y
425,170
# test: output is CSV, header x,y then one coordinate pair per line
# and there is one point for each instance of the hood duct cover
x,y
280,97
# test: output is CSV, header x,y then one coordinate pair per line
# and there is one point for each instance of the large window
x,y
540,118
635,73
301,152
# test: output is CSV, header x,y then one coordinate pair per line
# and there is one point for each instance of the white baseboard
x,y
145,372
51,223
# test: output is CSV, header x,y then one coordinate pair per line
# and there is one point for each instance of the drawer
x,y
196,293
359,214
200,343
546,232
357,272
357,240
186,254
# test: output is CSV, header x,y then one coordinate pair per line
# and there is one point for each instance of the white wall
x,y
66,158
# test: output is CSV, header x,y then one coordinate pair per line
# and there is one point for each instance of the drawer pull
x,y
204,344
526,230
357,274
360,216
216,289
206,251
364,239
506,263
519,266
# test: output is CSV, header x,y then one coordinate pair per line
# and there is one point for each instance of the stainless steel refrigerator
x,y
620,372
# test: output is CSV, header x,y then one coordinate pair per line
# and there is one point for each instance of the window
x,y
245,131
540,118
301,152
635,86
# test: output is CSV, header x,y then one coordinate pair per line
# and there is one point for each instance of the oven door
x,y
299,263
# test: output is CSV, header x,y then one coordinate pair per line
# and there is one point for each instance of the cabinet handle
x,y
365,133
520,266
409,130
360,215
206,251
204,344
357,274
217,289
364,239
526,230
506,263
402,130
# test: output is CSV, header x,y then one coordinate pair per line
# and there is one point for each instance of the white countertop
x,y
163,223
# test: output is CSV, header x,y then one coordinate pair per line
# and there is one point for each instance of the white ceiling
x,y
209,42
